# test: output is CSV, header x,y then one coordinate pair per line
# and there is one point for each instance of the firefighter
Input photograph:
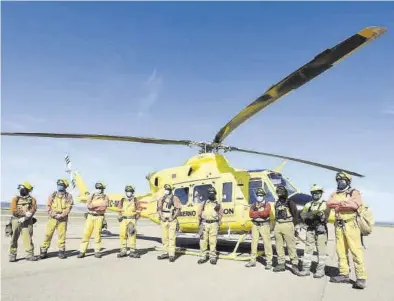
x,y
210,215
315,215
286,217
59,205
168,208
128,216
260,214
23,208
97,204
345,202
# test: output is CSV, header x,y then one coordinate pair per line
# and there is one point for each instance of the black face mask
x,y
23,192
212,197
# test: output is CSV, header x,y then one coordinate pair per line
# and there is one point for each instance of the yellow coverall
x,y
210,213
59,206
168,208
128,212
97,204
19,207
347,233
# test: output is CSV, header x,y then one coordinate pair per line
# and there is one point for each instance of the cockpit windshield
x,y
278,179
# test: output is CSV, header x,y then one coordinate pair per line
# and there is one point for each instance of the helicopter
x,y
235,187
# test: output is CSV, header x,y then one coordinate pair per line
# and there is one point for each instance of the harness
x,y
260,220
282,213
205,220
54,194
135,206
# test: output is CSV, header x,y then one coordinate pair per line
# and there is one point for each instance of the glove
x,y
58,216
296,233
217,207
120,219
21,220
28,214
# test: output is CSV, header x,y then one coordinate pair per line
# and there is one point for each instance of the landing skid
x,y
227,256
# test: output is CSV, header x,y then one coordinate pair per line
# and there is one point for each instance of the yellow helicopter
x,y
236,187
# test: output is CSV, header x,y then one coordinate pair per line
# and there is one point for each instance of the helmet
x,y
343,176
167,187
315,188
282,191
100,185
260,192
129,188
63,182
26,185
211,190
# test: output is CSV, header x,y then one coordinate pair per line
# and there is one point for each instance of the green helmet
x,y
260,192
129,188
316,188
100,185
167,187
211,190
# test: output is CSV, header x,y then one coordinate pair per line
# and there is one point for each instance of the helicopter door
x,y
227,201
187,214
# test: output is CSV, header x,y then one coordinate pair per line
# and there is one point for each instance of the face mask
x,y
316,196
60,188
99,191
23,192
129,194
342,184
168,192
211,197
260,199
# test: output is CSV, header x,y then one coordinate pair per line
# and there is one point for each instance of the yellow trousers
x,y
93,225
265,231
61,227
26,231
320,243
210,235
284,232
348,238
123,234
168,237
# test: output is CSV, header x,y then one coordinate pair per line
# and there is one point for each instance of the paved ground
x,y
149,279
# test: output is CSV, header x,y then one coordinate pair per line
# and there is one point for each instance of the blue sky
x,y
182,70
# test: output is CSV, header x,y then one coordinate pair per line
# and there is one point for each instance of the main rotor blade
x,y
321,63
297,160
103,137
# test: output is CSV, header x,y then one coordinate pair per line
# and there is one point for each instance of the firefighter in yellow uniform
x,y
23,208
59,205
97,204
260,214
345,202
210,215
128,216
286,218
168,208
315,214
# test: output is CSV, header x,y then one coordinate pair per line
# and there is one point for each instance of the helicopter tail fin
x,y
77,182
280,167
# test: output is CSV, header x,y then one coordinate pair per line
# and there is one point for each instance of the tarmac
x,y
112,278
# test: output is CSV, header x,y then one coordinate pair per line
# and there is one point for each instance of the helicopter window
x,y
182,194
200,193
253,185
278,179
227,192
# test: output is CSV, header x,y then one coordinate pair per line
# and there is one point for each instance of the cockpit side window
x,y
200,193
182,194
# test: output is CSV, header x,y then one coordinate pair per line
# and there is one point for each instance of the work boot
x,y
62,254
12,257
202,260
97,254
81,255
268,266
359,284
172,258
163,256
122,253
43,254
134,254
250,264
280,268
213,261
295,269
340,279
319,271
303,273
31,257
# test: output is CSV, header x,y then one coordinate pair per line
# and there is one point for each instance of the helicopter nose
x,y
300,199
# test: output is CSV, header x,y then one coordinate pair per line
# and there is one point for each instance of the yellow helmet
x,y
343,176
167,187
63,182
315,188
100,185
129,188
260,192
27,185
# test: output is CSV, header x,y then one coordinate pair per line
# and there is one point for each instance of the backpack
x,y
365,220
